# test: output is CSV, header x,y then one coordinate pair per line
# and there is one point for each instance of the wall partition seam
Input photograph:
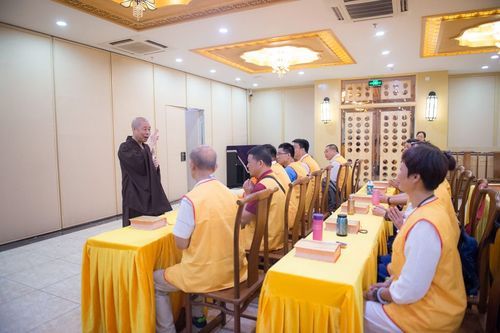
x,y
56,133
117,203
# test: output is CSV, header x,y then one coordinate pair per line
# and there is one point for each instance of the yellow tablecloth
x,y
302,295
117,278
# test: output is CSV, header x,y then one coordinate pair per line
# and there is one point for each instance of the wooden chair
x,y
489,282
466,181
314,204
324,193
242,293
474,206
299,185
356,171
460,183
453,184
341,193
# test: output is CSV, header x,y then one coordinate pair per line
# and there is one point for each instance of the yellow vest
x,y
301,172
207,264
276,218
443,307
443,192
281,175
342,177
313,166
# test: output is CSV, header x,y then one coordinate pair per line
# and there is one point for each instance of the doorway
x,y
181,130
195,136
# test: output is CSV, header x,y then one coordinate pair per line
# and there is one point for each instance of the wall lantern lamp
x,y
431,108
326,114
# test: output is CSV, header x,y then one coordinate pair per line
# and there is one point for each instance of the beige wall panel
x,y
28,172
437,130
239,112
266,117
170,87
472,113
221,125
132,82
326,133
299,115
199,97
85,133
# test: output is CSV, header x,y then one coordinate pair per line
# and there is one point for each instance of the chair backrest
x,y
325,188
356,171
474,204
299,184
340,194
467,180
453,183
460,183
313,205
263,199
488,238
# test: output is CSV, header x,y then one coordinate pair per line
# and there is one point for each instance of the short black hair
x,y
303,143
288,148
425,134
260,153
333,147
270,149
429,162
452,162
411,141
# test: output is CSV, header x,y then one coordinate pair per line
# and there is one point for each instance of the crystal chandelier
x,y
139,6
484,35
280,58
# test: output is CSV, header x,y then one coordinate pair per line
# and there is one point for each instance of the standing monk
x,y
142,193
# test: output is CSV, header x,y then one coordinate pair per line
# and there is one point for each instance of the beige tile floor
x,y
40,285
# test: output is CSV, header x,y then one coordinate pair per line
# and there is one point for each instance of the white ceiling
x,y
402,38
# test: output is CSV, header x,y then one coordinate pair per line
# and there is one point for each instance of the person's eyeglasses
x,y
283,153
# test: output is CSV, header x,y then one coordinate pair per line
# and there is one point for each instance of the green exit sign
x,y
375,83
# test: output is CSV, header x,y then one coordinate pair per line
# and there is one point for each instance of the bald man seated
x,y
204,230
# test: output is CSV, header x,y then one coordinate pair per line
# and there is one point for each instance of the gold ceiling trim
x,y
164,14
325,36
432,25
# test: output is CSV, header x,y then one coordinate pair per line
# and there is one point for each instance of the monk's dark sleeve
x,y
132,159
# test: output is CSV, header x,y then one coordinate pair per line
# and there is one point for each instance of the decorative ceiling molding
x,y
439,32
165,14
333,53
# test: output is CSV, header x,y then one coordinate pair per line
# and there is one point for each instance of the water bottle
x,y
342,225
351,205
317,226
369,188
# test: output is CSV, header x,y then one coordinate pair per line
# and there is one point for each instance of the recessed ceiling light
x,y
390,65
178,60
255,84
213,71
223,30
380,33
61,23
238,79
495,56
301,73
485,67
386,52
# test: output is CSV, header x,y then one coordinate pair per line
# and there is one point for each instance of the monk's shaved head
x,y
137,122
204,158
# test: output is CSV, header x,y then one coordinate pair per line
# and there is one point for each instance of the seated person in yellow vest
x,y
301,149
285,157
336,160
426,290
294,170
277,168
442,192
204,231
259,166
